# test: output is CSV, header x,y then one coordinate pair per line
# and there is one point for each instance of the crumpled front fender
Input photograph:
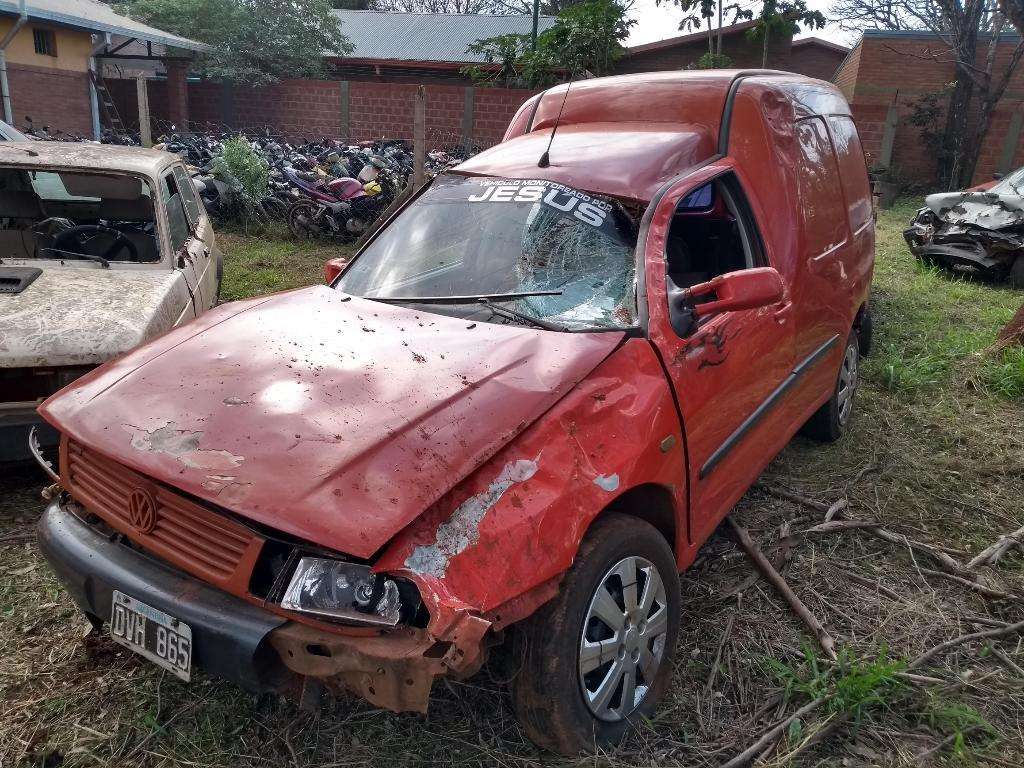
x,y
496,546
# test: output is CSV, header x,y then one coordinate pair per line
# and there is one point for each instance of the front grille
x,y
192,537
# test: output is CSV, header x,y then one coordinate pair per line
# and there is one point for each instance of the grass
x,y
936,451
940,324
254,266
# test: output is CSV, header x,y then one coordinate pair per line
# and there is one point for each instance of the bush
x,y
248,169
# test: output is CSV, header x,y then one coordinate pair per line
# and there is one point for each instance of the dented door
x,y
726,376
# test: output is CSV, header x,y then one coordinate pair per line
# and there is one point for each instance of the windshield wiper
x,y
514,315
88,256
460,299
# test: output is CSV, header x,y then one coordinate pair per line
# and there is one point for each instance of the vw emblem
x,y
141,510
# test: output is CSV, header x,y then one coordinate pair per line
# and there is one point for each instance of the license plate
x,y
162,639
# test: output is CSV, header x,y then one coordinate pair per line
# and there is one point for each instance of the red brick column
x,y
177,94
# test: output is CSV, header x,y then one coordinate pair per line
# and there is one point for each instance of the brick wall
x,y
58,98
313,109
815,60
884,70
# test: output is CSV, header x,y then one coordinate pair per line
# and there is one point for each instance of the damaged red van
x,y
514,416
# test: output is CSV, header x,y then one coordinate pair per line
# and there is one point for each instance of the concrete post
x,y
469,92
419,138
892,118
346,115
145,129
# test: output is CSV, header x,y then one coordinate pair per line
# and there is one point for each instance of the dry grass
x,y
936,452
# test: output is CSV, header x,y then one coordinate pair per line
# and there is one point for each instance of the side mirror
x,y
746,289
997,176
332,268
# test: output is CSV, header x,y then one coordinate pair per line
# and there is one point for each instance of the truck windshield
x,y
486,236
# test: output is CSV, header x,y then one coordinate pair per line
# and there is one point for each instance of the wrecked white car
x,y
977,231
101,248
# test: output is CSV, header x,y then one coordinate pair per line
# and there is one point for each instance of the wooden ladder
x,y
110,115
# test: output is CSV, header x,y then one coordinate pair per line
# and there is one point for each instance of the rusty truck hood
x,y
84,316
338,420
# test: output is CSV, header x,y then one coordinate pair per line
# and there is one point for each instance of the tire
x,y
865,331
831,420
548,693
300,221
1016,276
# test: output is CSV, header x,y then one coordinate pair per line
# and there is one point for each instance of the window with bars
x,y
45,41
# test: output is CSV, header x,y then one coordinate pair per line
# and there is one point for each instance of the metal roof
x,y
427,36
94,16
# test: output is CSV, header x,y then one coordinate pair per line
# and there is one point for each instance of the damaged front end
x,y
974,233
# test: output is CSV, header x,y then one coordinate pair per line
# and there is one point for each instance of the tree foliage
x,y
254,42
586,38
782,18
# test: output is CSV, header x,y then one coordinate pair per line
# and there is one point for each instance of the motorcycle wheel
x,y
276,208
301,221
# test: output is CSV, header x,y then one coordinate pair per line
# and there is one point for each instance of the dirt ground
x,y
935,455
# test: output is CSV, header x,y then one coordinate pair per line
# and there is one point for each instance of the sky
x,y
657,23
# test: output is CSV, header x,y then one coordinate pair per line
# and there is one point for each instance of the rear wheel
x,y
301,221
598,657
830,421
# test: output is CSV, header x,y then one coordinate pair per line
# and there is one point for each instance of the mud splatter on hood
x,y
333,419
83,316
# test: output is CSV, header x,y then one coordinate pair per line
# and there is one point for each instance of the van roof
x,y
626,136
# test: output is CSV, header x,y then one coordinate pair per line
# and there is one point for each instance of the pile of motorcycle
x,y
325,189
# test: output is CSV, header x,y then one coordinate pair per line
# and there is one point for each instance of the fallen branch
x,y
1009,629
1003,657
718,654
946,742
776,580
773,733
944,561
796,498
991,555
977,586
884,591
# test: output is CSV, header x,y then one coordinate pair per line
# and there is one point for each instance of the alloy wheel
x,y
623,639
847,384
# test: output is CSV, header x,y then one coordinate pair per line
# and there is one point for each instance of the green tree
x,y
254,42
783,17
586,38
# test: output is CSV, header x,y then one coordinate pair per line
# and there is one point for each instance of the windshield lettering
x,y
569,256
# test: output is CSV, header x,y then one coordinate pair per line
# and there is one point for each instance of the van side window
x,y
177,221
852,170
712,232
818,184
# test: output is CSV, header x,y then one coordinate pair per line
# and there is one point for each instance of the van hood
x,y
335,419
84,316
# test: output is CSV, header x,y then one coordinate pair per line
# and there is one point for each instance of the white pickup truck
x,y
101,248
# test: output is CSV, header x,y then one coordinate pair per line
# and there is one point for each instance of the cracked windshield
x,y
566,257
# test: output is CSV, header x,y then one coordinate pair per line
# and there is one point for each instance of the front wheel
x,y
831,420
598,658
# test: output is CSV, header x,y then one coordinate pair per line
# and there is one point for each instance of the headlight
x,y
347,591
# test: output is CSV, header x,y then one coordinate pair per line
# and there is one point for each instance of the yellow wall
x,y
73,47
